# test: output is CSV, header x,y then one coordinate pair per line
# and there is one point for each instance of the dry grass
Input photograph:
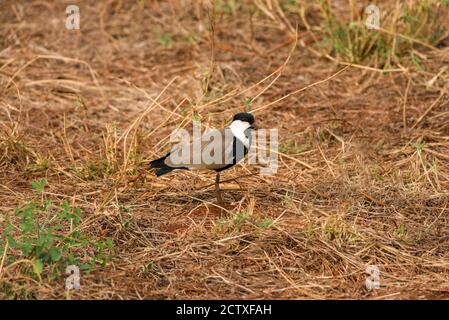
x,y
363,176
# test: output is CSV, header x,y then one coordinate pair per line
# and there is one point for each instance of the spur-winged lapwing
x,y
216,149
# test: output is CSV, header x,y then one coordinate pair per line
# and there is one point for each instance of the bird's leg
x,y
217,190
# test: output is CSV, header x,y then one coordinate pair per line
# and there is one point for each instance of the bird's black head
x,y
244,116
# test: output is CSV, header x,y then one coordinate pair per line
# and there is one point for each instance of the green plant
x,y
247,104
288,5
292,147
401,231
97,169
14,150
40,164
166,39
228,6
419,145
265,223
403,29
240,218
307,231
47,236
288,198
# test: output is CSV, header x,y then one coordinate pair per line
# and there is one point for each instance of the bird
x,y
216,150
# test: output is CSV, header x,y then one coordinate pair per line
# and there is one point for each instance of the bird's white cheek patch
x,y
238,128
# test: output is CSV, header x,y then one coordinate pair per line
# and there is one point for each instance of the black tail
x,y
163,171
159,163
163,168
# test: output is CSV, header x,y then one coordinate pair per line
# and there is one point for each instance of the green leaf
x,y
86,266
12,242
64,214
26,248
71,259
55,254
166,39
47,205
9,227
38,266
77,216
109,243
75,235
38,185
247,104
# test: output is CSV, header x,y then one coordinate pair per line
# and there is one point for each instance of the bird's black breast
x,y
239,151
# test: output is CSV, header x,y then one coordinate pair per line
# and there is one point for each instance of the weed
x,y
190,39
420,21
149,267
166,40
14,150
247,104
265,223
97,169
401,231
292,147
307,231
288,5
39,165
227,7
16,291
48,236
337,230
288,198
418,146
416,60
240,218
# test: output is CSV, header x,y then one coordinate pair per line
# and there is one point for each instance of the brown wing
x,y
213,151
